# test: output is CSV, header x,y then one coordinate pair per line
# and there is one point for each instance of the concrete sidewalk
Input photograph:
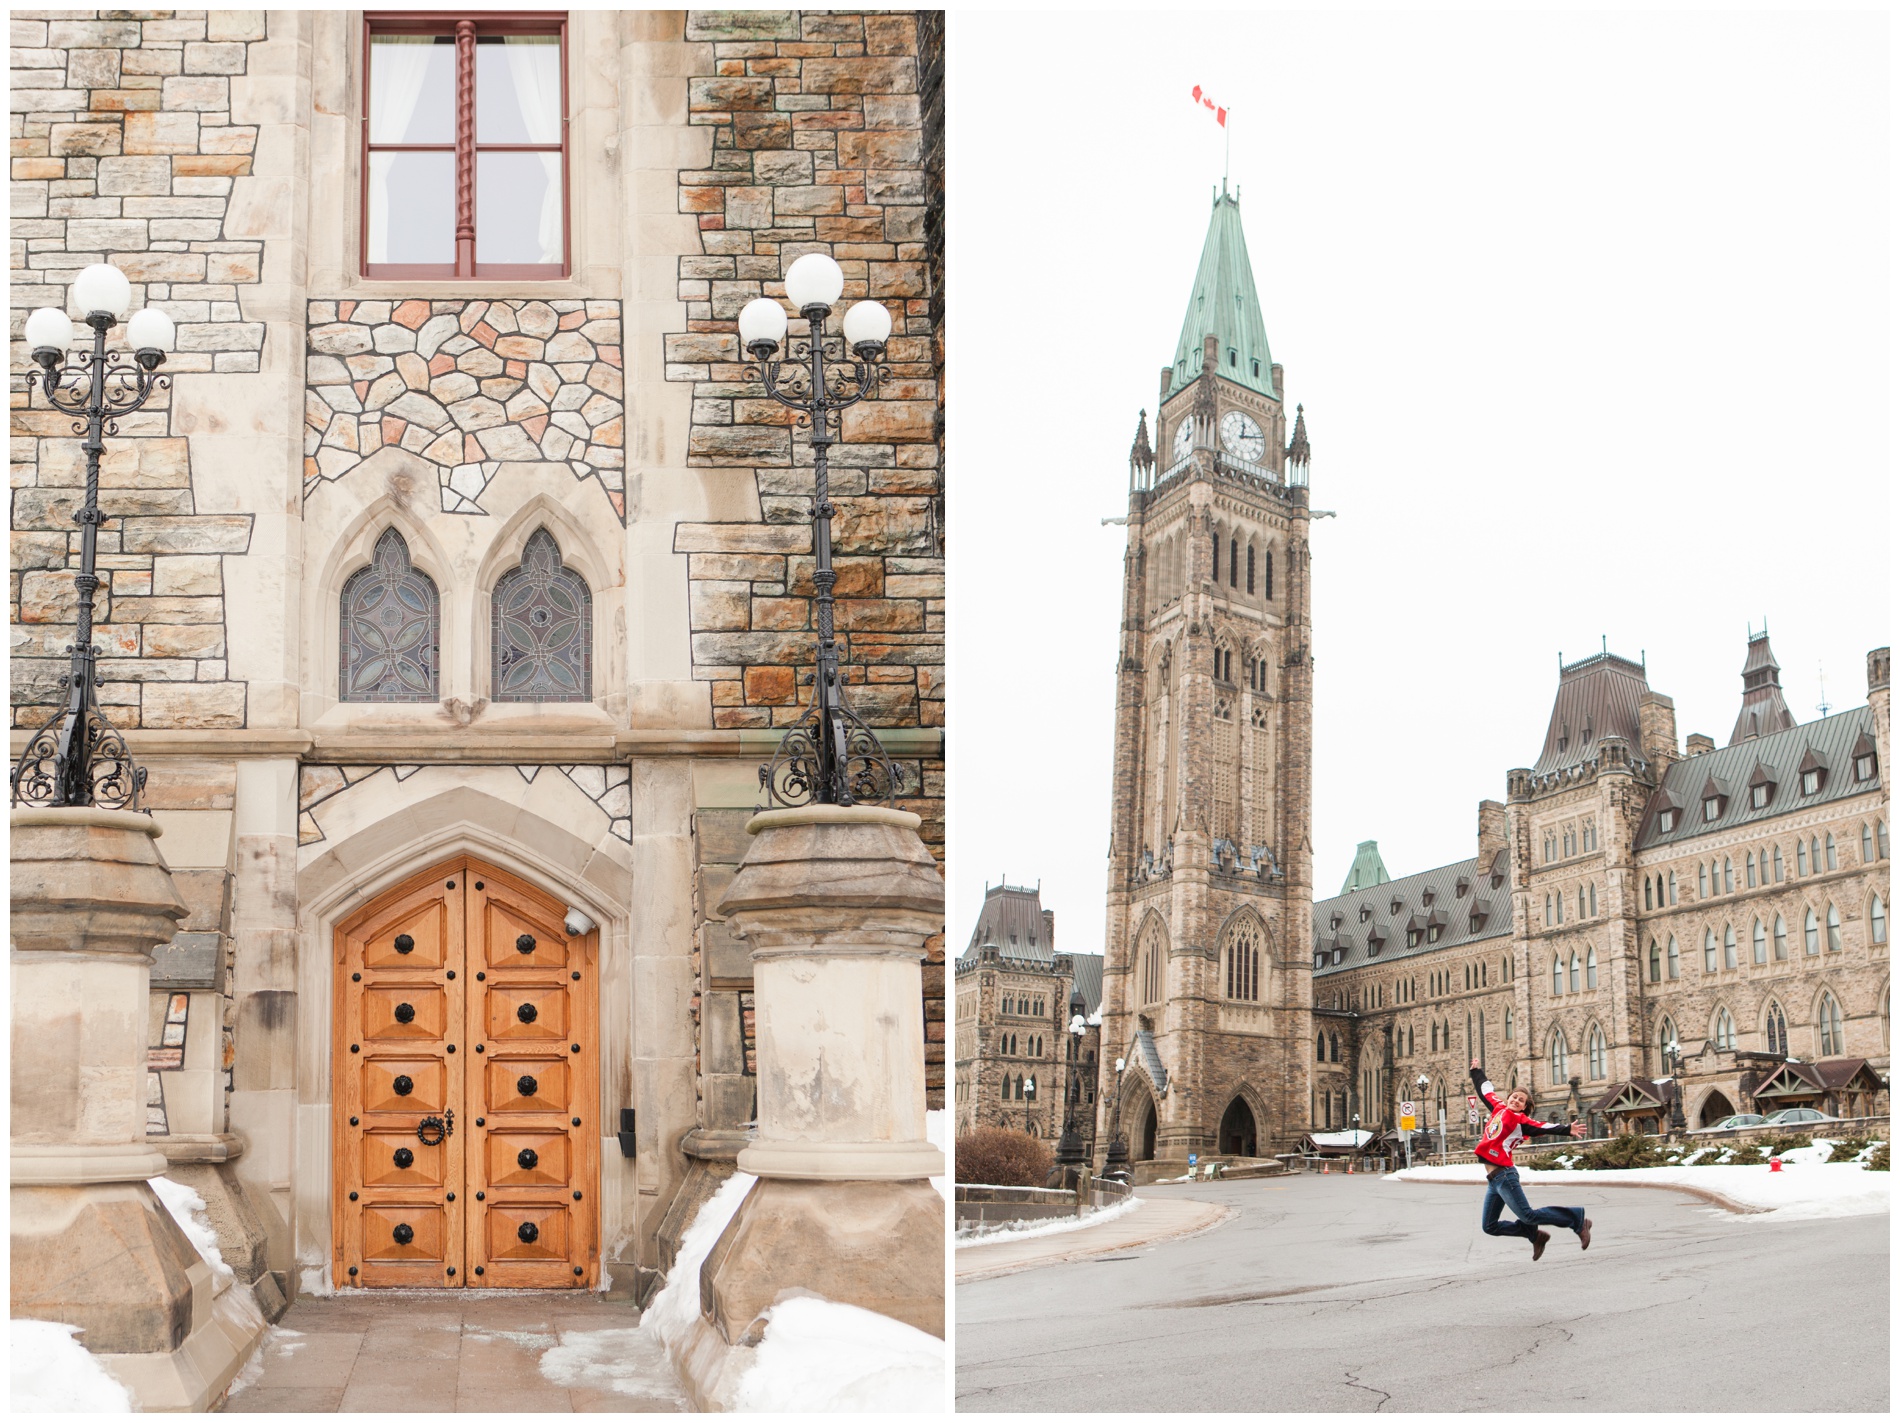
x,y
455,1351
1156,1219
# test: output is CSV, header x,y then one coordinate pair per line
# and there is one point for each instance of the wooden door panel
x,y
405,1011
518,1083
526,1012
463,961
385,1164
528,1158
405,1084
416,937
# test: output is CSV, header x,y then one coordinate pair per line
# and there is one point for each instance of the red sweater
x,y
1506,1127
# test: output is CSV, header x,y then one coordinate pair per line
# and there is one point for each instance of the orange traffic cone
x,y
1349,1168
1326,1168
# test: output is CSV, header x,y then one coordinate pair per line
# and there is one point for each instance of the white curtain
x,y
534,64
399,65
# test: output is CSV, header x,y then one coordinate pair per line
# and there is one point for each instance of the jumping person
x,y
1510,1122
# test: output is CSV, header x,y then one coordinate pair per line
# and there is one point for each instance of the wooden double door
x,y
466,1088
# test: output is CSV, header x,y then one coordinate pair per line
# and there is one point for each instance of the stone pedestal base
x,y
874,1244
110,1259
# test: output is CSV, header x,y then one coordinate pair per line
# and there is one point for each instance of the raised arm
x,y
1482,1086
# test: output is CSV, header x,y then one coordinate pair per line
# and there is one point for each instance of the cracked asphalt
x,y
1340,1294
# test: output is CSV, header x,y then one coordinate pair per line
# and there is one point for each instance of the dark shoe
x,y
1583,1232
1538,1242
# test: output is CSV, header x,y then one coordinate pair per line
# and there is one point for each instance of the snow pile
x,y
937,1131
52,1372
187,1207
821,1357
1024,1230
676,1306
1803,1191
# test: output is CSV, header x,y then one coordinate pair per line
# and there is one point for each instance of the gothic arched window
x,y
543,628
1250,568
1666,1036
1877,920
1655,962
1675,959
1760,943
1724,1031
1590,968
1599,1055
1266,573
1811,933
1559,1058
1777,1029
1233,563
1832,1039
391,621
1243,962
1833,930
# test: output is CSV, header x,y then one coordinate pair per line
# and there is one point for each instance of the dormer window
x,y
1433,934
1811,781
1365,912
1863,765
1666,821
1758,796
1463,887
1339,955
1411,938
1430,895
1319,960
1337,918
1397,905
1712,808
1372,948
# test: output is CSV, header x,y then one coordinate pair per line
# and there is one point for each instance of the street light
x,y
78,757
1116,1164
1069,1151
830,756
1672,1059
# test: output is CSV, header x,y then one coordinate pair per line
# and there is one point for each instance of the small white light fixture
x,y
867,323
49,329
150,330
761,322
102,287
576,922
813,280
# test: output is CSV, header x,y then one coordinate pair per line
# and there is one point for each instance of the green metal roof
x,y
1367,869
1225,304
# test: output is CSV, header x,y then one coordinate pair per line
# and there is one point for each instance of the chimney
x,y
1656,721
1698,743
1049,929
1167,384
1879,668
1491,833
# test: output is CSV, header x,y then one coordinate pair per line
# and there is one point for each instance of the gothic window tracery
x,y
391,629
1242,959
543,628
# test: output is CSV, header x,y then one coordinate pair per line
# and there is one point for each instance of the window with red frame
x,y
465,146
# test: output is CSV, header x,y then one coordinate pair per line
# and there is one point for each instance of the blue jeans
x,y
1504,1190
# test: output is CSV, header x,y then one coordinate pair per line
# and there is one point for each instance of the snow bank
x,y
1027,1229
677,1305
821,1357
1802,1190
52,1372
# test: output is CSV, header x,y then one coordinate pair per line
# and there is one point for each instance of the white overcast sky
x,y
1590,316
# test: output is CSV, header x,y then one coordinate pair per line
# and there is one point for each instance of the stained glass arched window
x,y
391,621
543,629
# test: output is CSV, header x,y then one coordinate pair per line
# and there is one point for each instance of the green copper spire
x,y
1224,303
1367,869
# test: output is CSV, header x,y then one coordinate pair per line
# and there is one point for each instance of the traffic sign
x,y
1408,1123
1408,1109
1471,1102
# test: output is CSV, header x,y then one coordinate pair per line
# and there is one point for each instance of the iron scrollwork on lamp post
x,y
78,758
829,756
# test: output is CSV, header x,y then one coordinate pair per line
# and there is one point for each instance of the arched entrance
x,y
1145,1131
1237,1137
1714,1107
465,1082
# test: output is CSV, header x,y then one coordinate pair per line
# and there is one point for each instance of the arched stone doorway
x,y
1237,1134
1145,1130
1714,1107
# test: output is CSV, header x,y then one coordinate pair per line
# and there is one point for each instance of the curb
x,y
1714,1198
1069,1252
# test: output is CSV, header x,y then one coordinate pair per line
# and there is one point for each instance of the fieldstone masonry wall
x,y
467,385
123,150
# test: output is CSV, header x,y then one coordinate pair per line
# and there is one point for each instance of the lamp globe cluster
x,y
813,285
101,293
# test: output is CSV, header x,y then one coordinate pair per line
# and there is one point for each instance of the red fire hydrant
x,y
1774,1163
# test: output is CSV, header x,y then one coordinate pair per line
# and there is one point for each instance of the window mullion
x,y
465,148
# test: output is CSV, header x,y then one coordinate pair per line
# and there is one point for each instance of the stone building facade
x,y
1207,984
352,416
1018,1065
1638,912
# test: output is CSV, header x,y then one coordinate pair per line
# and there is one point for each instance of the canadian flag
x,y
1202,98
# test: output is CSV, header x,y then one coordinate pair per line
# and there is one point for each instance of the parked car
x,y
1788,1116
1740,1119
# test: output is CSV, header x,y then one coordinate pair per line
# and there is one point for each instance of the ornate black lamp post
x,y
1672,1059
829,757
1069,1150
78,757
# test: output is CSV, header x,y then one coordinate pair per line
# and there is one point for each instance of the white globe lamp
x,y
150,330
867,324
49,329
761,323
102,287
813,280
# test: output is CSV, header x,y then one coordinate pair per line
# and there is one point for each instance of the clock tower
x,y
1208,988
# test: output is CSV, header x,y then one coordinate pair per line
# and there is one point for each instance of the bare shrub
x,y
997,1156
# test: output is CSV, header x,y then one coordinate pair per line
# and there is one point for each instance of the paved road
x,y
1361,1294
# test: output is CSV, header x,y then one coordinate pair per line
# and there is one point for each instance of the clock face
x,y
1184,438
1241,437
